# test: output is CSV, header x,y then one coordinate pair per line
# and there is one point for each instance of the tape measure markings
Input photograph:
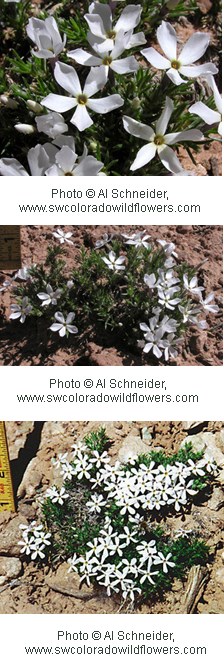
x,y
10,248
6,488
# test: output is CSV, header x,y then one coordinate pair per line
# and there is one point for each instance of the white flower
x,y
175,64
46,37
206,304
166,299
67,78
96,503
22,273
210,116
68,164
137,240
62,237
108,59
113,263
165,560
50,297
158,141
147,573
26,545
153,338
37,551
52,124
104,33
168,248
39,159
170,348
34,106
57,496
21,311
103,241
64,327
192,285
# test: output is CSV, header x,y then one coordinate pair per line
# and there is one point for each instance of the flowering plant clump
x,y
127,289
87,78
105,518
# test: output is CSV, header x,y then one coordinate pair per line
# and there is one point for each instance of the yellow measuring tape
x,y
6,490
10,248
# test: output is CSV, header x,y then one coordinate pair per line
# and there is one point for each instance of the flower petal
x,y
163,120
125,65
10,167
105,105
206,113
138,129
89,166
217,96
96,25
58,103
59,316
144,156
170,160
66,159
194,48
62,331
191,135
167,39
155,58
81,118
84,58
55,327
198,70
174,76
95,81
129,18
67,78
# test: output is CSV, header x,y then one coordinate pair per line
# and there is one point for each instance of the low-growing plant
x,y
106,519
125,288
129,104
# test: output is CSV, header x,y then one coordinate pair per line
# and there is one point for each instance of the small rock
x,y
188,425
216,501
220,577
68,581
146,435
197,442
132,447
31,479
222,556
10,534
10,568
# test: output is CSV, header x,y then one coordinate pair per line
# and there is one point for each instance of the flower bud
x,y
93,145
8,102
24,128
34,106
136,103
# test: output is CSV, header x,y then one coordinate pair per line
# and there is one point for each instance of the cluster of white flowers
x,y
138,490
108,40
122,557
34,540
175,302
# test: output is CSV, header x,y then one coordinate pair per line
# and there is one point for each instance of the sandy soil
x,y
34,445
23,345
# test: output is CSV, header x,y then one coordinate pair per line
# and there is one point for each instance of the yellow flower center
x,y
107,60
82,99
159,140
175,64
111,34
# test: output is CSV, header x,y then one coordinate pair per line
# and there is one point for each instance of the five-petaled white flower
x,y
159,141
39,159
50,297
175,64
103,32
67,78
46,36
137,239
63,325
21,311
62,237
207,306
113,263
108,59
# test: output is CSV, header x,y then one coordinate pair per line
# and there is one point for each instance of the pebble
x,y
10,568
